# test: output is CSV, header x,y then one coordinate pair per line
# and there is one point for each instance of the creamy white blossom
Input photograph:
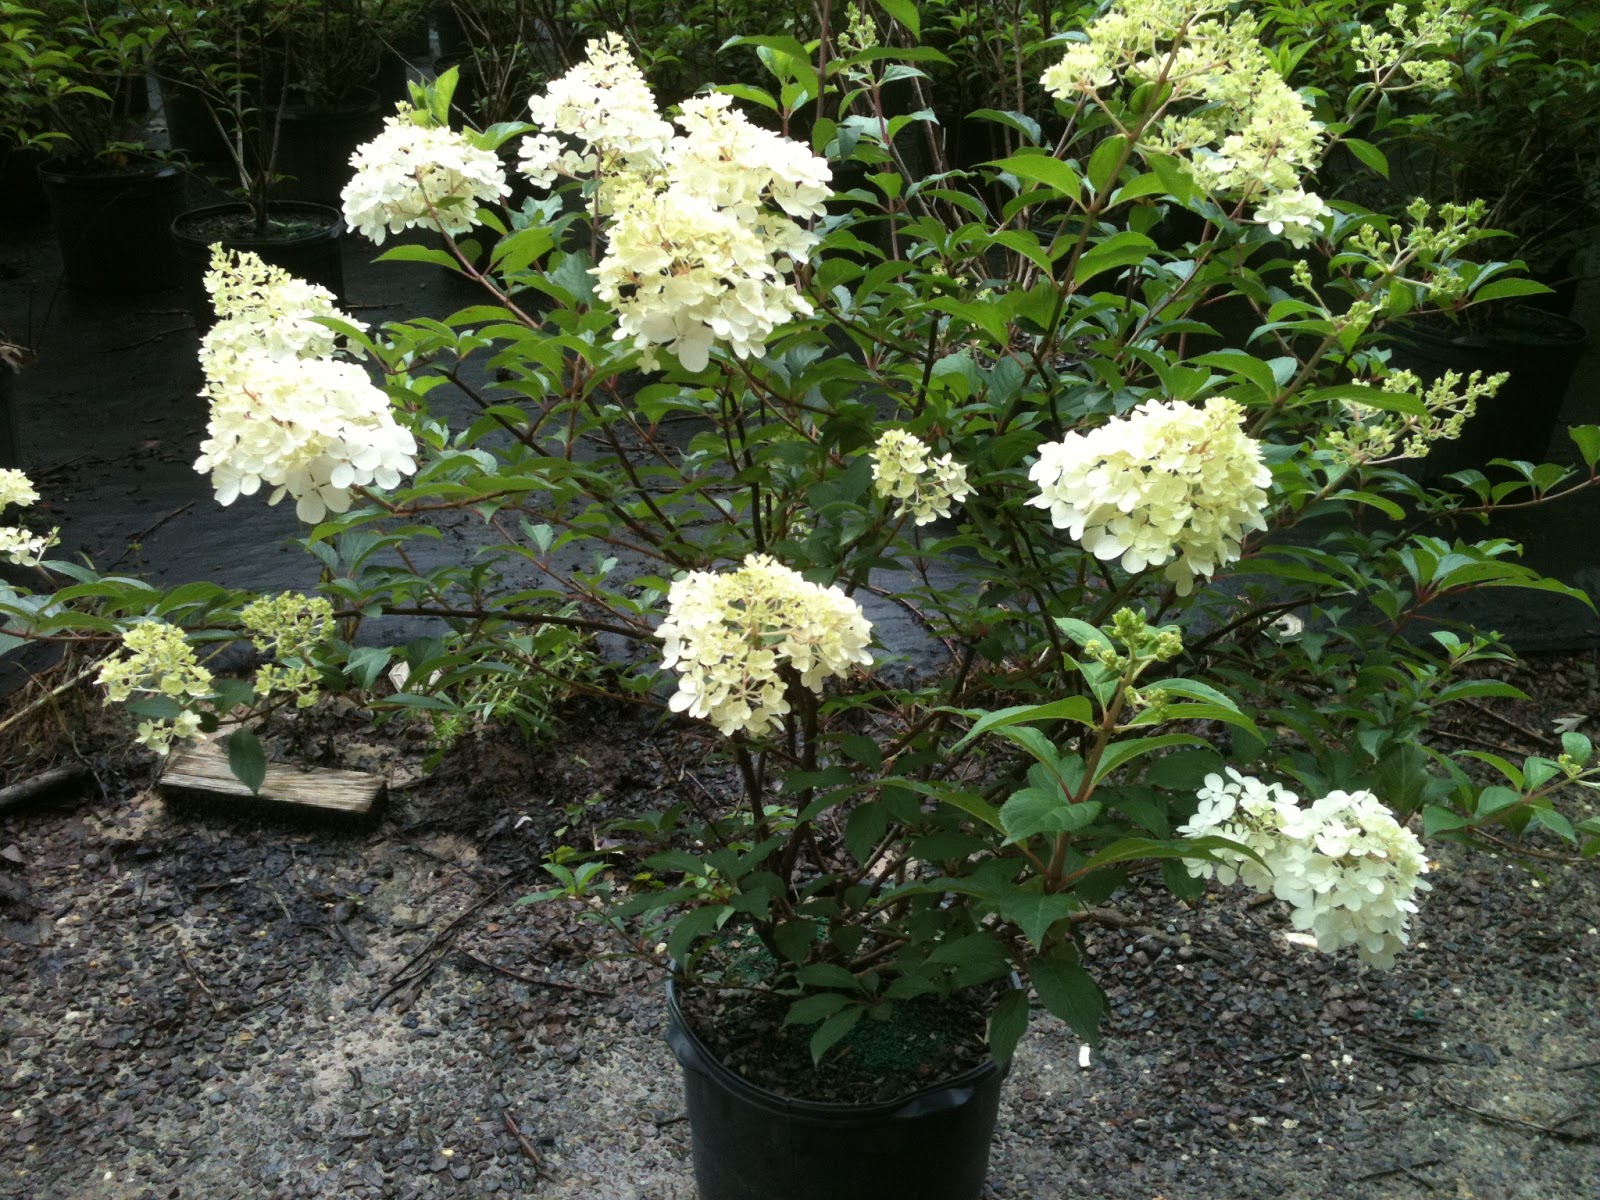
x,y
263,308
733,164
1168,483
684,274
729,634
413,174
903,469
284,413
1295,215
604,104
700,225
1242,128
16,488
1349,871
18,545
309,428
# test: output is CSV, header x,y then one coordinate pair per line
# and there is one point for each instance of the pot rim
x,y
334,229
823,1110
65,173
1550,330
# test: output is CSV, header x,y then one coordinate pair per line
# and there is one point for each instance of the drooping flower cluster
x,y
414,173
157,660
1167,483
731,634
1347,868
703,230
924,487
1243,130
284,411
18,545
290,627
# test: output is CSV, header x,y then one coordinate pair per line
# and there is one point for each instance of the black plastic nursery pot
x,y
751,1144
315,145
9,455
112,227
305,243
1538,349
21,192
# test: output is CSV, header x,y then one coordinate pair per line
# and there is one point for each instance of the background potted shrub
x,y
112,197
1462,104
36,70
343,67
232,59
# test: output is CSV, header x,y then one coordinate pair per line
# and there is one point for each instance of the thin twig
x,y
1515,1122
177,944
1405,1051
1534,734
154,337
534,981
527,1147
413,973
1394,1169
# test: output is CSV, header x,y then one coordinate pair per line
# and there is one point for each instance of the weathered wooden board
x,y
204,768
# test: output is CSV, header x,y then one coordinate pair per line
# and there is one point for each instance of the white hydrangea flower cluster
x,y
284,412
604,104
1347,868
1244,130
731,634
925,487
290,627
1167,483
1295,215
157,660
704,223
19,545
415,173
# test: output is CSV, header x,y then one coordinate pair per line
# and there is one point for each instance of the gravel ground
x,y
203,1002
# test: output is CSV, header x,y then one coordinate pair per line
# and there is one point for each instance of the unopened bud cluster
x,y
290,627
156,660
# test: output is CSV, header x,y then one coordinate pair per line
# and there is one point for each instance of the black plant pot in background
x,y
191,129
10,455
315,145
112,227
21,191
305,242
751,1144
1539,350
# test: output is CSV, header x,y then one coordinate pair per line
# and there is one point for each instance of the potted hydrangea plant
x,y
770,458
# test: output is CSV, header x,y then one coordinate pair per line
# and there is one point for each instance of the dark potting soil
x,y
233,226
895,1050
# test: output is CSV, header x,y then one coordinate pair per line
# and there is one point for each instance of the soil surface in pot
x,y
233,226
915,1044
